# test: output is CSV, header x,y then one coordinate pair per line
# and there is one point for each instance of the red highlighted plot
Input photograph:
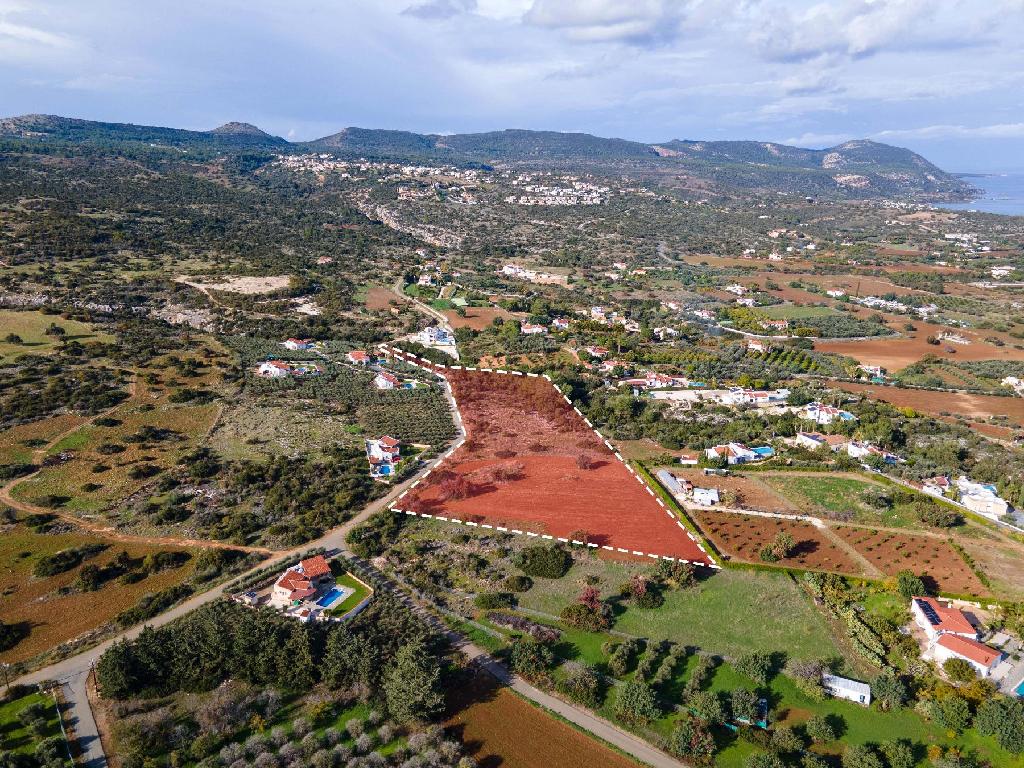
x,y
531,463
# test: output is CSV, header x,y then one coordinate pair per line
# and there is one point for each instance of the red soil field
x,y
531,463
929,557
743,536
936,403
476,318
502,729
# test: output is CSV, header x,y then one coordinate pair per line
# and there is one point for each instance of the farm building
x,y
844,688
937,619
980,656
706,497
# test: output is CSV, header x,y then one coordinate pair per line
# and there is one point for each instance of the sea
x,y
1003,193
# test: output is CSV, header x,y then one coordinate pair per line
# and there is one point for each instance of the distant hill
x,y
858,169
66,129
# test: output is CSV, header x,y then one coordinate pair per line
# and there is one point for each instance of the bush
x,y
544,562
493,600
530,658
636,703
583,685
518,583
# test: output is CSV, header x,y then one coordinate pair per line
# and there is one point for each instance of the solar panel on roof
x,y
929,612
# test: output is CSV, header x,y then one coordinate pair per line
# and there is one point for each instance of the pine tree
x,y
412,685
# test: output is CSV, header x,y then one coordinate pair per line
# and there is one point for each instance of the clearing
x,y
530,462
244,285
31,327
52,608
477,318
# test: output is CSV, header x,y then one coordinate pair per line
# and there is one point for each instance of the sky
x,y
942,77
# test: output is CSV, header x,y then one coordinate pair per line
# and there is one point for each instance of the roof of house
x,y
943,618
358,354
299,341
970,649
389,442
389,377
298,584
281,364
732,449
854,686
315,566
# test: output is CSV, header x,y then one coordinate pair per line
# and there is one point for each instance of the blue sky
x,y
943,77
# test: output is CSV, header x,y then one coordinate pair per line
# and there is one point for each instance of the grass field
x,y
31,327
54,610
730,613
360,593
14,736
794,311
828,495
251,430
17,444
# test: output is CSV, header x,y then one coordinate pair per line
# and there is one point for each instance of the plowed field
x,y
931,558
531,463
742,537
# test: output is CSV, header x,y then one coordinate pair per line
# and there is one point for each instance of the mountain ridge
x,y
858,168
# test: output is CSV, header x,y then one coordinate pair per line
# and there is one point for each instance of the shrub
x,y
583,684
518,583
636,703
493,600
544,562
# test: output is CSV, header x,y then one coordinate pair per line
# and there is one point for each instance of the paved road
x,y
79,717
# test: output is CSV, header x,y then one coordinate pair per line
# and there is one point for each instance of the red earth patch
x,y
531,463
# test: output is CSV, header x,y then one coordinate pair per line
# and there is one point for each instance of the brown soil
x,y
500,729
754,493
742,537
937,403
476,318
1004,566
379,297
926,556
523,425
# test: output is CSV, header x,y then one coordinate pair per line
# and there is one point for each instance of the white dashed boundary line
x,y
431,368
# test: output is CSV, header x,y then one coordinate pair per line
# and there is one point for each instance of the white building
x,y
531,329
981,498
436,336
937,619
824,414
706,497
980,656
844,688
385,380
274,369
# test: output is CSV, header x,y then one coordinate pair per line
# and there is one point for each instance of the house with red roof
x,y
383,455
274,369
359,357
385,380
296,344
301,582
980,656
937,619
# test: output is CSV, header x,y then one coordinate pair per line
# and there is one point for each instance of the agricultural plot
x,y
52,609
742,537
931,558
937,403
503,729
31,328
1003,565
531,463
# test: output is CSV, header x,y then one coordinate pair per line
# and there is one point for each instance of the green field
x,y
31,327
359,594
731,613
794,311
829,495
14,736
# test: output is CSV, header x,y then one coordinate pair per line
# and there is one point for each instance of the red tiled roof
x,y
315,566
358,354
388,442
970,649
950,619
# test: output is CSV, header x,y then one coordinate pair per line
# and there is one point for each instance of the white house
x,y
358,357
436,336
872,370
980,656
835,293
560,323
596,351
815,440
531,329
824,414
981,498
858,449
688,459
274,369
756,345
385,380
937,619
741,396
733,453
735,288
297,344
844,688
1017,385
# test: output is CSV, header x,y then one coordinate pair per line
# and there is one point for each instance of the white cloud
x,y
636,21
818,140
996,131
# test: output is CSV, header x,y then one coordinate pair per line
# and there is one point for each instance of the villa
x,y
359,357
301,582
385,380
436,336
297,344
824,414
383,455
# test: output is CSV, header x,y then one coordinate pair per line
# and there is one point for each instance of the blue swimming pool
x,y
331,598
1020,689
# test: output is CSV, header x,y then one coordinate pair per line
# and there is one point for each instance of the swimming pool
x,y
1019,690
332,597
